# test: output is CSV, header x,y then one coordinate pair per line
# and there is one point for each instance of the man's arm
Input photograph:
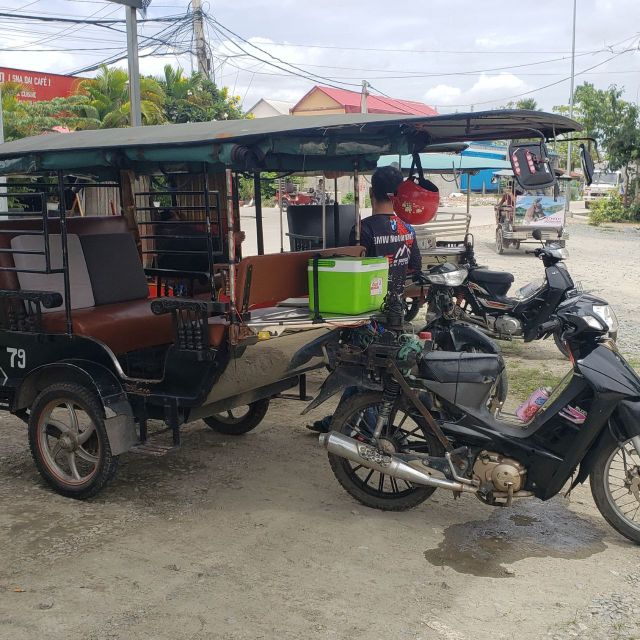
x,y
415,259
366,239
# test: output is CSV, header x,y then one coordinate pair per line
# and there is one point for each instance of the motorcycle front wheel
x,y
404,433
615,487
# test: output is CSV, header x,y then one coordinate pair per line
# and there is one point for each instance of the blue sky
x,y
452,54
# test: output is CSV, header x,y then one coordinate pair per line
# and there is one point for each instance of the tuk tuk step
x,y
152,449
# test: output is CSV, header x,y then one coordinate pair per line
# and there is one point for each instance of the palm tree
x,y
108,93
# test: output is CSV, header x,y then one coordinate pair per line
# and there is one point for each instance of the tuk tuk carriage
x,y
144,306
519,214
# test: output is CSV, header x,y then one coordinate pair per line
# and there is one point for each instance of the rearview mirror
x,y
537,234
587,164
530,164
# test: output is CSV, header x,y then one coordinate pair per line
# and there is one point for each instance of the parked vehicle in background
x,y
604,183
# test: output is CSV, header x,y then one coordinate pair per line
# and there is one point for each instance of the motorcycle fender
x,y
314,349
464,334
341,378
623,425
119,419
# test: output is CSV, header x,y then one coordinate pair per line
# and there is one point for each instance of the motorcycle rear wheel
x,y
404,433
615,487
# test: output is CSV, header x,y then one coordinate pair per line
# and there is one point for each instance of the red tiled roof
x,y
350,100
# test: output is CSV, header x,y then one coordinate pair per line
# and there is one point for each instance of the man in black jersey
x,y
383,234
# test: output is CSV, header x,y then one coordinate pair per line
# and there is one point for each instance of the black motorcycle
x,y
483,299
427,425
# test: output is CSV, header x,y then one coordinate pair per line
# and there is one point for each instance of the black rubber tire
x,y
107,463
340,466
412,309
499,242
597,482
255,415
562,347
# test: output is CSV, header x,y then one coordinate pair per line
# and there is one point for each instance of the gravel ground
x,y
252,537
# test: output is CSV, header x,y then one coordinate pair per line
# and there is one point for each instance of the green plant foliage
x,y
608,209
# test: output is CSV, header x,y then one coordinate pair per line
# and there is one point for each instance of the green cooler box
x,y
349,286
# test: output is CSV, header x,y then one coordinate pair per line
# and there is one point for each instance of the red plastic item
x,y
425,335
415,204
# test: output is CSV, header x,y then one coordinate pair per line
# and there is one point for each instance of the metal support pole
x,y
323,195
280,183
336,215
356,202
567,203
4,201
257,199
134,69
62,209
468,193
231,246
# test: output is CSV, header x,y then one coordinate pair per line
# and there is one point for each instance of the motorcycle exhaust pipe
x,y
372,458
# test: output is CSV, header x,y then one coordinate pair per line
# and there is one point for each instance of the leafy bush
x,y
608,209
349,198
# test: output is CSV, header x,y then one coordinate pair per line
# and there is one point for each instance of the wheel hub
x,y
68,443
388,446
633,481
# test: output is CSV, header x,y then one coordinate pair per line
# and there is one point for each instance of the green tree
x,y
196,98
108,94
524,103
22,119
615,124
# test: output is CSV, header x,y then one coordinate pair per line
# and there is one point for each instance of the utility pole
x,y
202,53
567,204
134,68
363,99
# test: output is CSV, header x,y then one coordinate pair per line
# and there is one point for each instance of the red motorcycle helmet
x,y
416,200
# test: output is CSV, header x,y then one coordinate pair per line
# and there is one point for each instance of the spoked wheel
x,y
404,433
615,486
69,442
239,420
413,307
499,241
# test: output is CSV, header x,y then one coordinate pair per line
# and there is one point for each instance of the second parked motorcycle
x,y
483,300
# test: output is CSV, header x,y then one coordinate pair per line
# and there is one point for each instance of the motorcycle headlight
x,y
607,315
449,279
594,323
560,252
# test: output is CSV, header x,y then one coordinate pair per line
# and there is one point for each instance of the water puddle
x,y
532,530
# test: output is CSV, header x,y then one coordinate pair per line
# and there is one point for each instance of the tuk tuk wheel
x,y
413,307
69,441
499,241
239,420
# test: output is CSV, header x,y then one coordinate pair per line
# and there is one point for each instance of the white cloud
x,y
486,89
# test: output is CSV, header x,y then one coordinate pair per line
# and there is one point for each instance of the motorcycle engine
x,y
500,472
508,325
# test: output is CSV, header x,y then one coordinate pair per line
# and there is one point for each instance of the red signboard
x,y
38,86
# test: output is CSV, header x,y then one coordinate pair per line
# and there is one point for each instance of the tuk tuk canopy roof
x,y
281,143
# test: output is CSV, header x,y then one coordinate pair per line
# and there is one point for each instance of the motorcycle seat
x,y
454,367
487,276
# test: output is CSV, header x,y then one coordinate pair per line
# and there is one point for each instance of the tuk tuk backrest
x,y
268,279
79,226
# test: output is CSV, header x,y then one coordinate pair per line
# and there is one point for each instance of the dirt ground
x,y
252,537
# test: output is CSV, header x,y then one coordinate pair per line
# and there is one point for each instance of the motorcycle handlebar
x,y
550,326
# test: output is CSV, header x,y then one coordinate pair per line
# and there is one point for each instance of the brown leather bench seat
x,y
128,324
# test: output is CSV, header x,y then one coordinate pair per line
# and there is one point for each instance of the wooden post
x,y
128,200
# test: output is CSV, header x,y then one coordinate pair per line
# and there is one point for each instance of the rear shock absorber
x,y
389,396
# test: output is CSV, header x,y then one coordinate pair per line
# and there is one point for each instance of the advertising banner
x,y
38,86
539,211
